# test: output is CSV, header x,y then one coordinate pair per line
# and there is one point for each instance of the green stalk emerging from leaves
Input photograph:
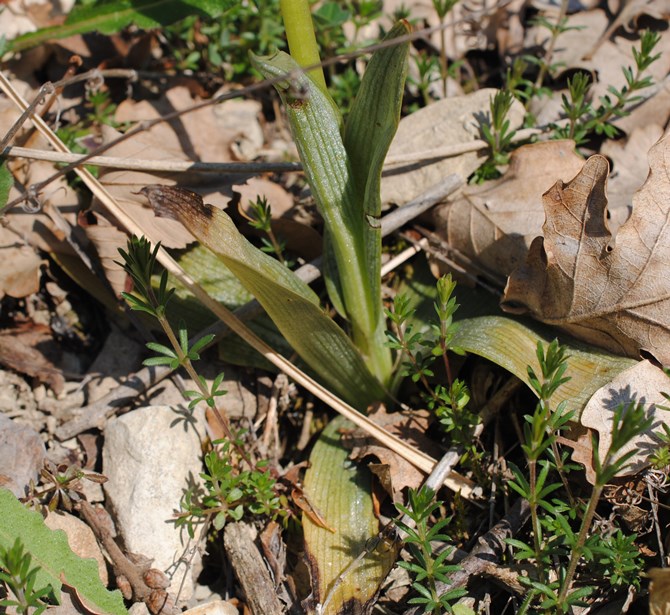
x,y
344,173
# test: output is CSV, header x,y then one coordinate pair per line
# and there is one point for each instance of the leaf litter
x,y
594,269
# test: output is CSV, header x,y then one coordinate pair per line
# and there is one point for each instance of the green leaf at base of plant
x,y
291,303
340,491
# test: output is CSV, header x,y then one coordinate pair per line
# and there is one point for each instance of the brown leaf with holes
x,y
614,294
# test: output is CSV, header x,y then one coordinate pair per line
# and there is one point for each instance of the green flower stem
x,y
302,39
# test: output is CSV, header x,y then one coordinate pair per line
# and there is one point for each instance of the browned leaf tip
x,y
172,201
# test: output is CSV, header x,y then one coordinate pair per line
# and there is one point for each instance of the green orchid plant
x,y
343,165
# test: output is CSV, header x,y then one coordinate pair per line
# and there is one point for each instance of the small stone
x,y
150,456
216,607
22,455
139,608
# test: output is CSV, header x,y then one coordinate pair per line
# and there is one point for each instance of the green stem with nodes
x,y
185,362
535,519
302,38
544,67
576,554
139,263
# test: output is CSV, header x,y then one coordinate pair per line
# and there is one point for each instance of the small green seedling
x,y
18,575
427,568
585,119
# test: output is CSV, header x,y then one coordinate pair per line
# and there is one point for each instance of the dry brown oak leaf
x,y
611,293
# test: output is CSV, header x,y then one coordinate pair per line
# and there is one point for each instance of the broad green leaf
x,y
57,563
203,266
113,16
512,345
368,133
340,491
291,303
315,125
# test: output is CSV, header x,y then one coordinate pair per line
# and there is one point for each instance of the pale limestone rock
x,y
150,456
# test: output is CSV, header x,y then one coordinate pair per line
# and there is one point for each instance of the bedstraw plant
x,y
557,549
426,567
584,118
234,484
19,576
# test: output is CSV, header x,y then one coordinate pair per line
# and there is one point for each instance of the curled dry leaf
x,y
630,169
612,294
495,223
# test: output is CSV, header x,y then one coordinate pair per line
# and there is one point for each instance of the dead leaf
x,y
495,223
612,294
642,383
215,133
23,277
624,495
582,452
629,158
575,50
107,239
315,516
230,131
659,591
450,121
394,472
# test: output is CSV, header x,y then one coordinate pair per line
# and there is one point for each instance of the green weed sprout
x,y
442,8
585,119
230,492
417,352
426,568
139,263
260,218
17,574
497,135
